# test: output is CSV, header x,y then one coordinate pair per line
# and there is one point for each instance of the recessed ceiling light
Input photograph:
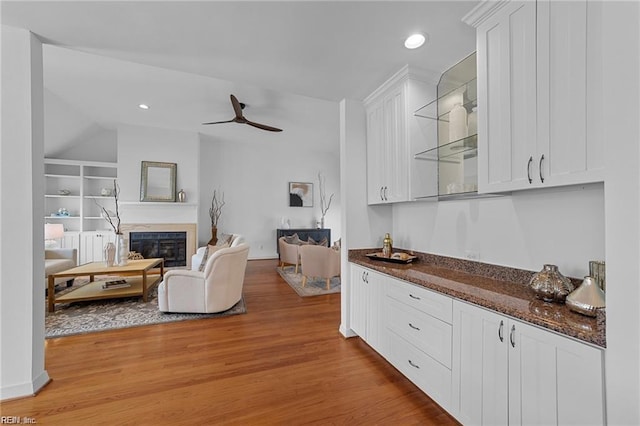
x,y
143,106
414,41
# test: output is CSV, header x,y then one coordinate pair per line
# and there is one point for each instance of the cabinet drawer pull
x,y
413,297
413,365
529,169
381,196
540,168
512,337
414,327
366,277
385,194
363,279
500,330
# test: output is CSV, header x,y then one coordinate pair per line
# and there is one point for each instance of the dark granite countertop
x,y
497,288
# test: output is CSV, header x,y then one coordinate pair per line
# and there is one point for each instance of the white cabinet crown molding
x,y
483,11
405,73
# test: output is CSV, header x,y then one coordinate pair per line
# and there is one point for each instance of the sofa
x,y
58,260
235,240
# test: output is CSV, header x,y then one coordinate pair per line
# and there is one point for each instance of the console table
x,y
304,234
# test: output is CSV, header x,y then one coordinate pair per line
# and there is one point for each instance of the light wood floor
x,y
284,362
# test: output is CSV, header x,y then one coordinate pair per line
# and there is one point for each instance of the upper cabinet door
x,y
396,187
507,98
539,95
569,91
375,153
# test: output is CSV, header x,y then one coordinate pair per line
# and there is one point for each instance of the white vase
x,y
457,123
109,254
122,252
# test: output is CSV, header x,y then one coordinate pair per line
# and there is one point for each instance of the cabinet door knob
x,y
512,336
500,331
529,169
540,168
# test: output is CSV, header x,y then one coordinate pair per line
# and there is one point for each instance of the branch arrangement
x,y
324,204
114,220
216,208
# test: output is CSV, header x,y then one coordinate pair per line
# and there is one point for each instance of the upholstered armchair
x,y
319,261
289,253
57,260
196,259
215,289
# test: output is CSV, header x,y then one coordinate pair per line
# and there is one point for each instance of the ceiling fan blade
x,y
237,108
263,126
220,122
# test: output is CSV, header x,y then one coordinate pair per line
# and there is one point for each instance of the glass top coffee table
x,y
135,272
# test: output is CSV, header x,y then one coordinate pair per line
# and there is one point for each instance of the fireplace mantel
x,y
189,228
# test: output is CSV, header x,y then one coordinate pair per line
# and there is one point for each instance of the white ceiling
x,y
264,52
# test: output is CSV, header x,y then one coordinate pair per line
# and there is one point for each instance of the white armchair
x,y
58,260
216,289
196,259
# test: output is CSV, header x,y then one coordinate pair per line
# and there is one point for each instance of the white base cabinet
x,y
509,372
92,245
365,306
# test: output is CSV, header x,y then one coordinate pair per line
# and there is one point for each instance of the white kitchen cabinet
x,y
366,306
390,128
419,332
539,94
508,372
92,245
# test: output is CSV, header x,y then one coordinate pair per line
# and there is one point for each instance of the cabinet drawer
x,y
429,375
427,333
424,300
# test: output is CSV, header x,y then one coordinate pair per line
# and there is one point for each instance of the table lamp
x,y
52,232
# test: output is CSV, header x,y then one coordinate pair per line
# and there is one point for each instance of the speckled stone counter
x,y
497,288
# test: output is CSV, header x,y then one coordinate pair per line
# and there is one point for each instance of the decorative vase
x,y
109,254
214,236
457,123
550,285
387,245
322,222
586,298
122,252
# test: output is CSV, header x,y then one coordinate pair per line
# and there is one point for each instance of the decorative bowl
x,y
64,192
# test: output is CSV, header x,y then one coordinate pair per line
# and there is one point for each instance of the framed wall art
x,y
300,194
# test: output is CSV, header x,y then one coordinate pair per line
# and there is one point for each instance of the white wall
x,y
621,41
71,135
255,180
21,216
561,226
137,144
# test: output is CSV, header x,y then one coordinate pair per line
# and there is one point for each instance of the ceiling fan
x,y
239,118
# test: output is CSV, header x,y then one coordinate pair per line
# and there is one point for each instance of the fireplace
x,y
172,246
183,247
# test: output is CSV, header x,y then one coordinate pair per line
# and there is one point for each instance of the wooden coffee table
x,y
135,272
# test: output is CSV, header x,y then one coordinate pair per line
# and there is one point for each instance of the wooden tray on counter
x,y
380,256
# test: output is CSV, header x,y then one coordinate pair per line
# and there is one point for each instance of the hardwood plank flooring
x,y
284,362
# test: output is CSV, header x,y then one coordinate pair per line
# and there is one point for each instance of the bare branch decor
x,y
109,216
324,204
216,208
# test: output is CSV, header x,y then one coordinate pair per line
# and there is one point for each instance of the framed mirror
x,y
158,181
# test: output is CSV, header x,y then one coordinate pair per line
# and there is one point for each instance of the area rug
x,y
314,287
100,315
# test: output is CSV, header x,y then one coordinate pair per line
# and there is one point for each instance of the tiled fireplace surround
x,y
189,228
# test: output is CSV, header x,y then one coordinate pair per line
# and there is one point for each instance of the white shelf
x,y
62,217
51,175
101,177
61,196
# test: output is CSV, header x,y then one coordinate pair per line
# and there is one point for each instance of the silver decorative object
x,y
550,285
109,254
182,196
597,272
586,298
122,252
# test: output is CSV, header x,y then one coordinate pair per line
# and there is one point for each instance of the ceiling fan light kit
x,y
240,118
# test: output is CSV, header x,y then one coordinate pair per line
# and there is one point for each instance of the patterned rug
x,y
99,315
314,287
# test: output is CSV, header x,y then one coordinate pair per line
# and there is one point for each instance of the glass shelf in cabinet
x,y
439,108
467,146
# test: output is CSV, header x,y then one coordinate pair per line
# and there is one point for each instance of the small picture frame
x,y
300,194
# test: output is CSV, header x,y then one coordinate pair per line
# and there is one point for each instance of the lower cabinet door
x,y
553,380
358,301
428,374
480,366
